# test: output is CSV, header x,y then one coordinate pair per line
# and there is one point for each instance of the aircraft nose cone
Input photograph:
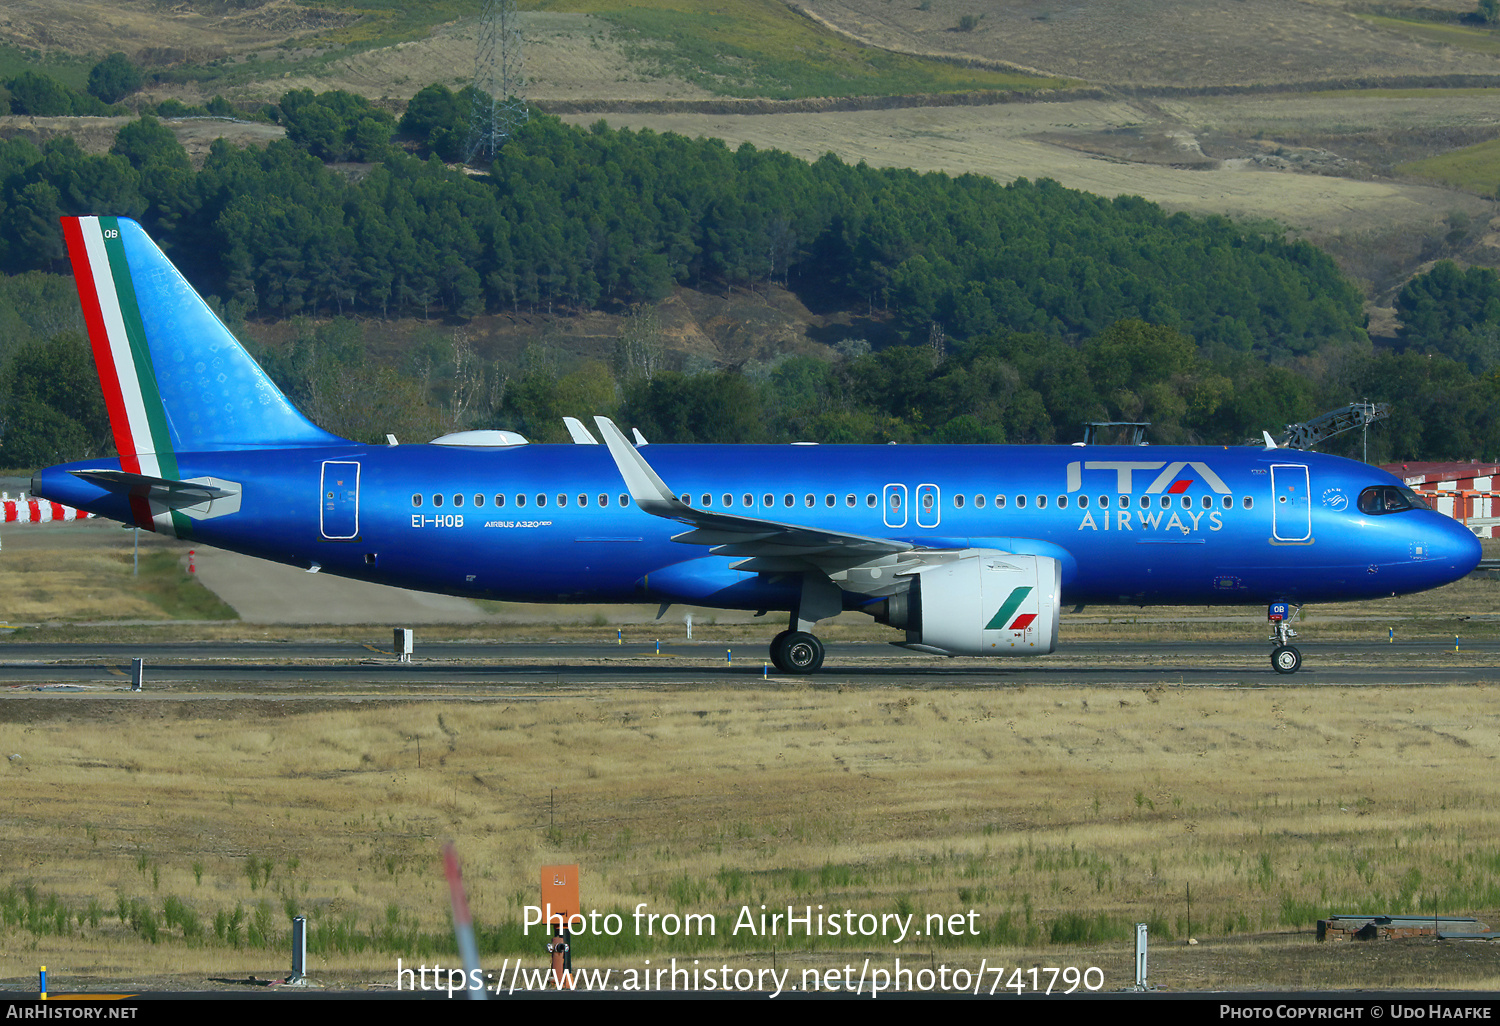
x,y
1455,546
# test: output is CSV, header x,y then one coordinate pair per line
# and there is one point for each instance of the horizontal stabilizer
x,y
159,491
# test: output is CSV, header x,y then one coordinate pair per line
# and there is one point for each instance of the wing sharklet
x,y
578,432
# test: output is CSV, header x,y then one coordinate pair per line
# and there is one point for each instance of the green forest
x,y
1026,309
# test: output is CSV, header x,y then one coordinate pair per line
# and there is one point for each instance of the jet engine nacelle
x,y
987,604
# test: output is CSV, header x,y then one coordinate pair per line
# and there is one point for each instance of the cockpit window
x,y
1389,499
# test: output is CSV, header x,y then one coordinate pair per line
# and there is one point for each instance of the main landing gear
x,y
797,649
1284,658
796,652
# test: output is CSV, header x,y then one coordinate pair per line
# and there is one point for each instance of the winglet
x,y
578,432
1270,442
640,439
648,490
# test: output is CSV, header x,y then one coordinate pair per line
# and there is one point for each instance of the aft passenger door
x,y
1291,505
338,508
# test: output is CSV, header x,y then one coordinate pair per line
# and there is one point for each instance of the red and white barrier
x,y
39,511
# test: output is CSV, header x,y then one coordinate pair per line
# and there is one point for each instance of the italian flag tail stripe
x,y
118,339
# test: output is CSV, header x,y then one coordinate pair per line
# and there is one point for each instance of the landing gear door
x,y
338,506
1291,509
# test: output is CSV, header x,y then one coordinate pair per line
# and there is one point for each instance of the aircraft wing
x,y
731,534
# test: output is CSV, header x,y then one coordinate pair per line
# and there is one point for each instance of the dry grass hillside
x,y
1328,165
1208,44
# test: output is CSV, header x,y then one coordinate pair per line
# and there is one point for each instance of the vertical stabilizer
x,y
174,378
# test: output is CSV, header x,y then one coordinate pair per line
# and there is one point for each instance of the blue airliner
x,y
970,550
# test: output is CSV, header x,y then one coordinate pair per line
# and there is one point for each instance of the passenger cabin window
x,y
1000,502
604,500
979,501
1041,502
789,499
416,499
437,500
1228,502
458,500
870,500
500,501
541,499
1062,502
1020,501
562,499
478,500
769,499
1249,503
520,500
849,500
958,502
808,500
728,500
708,500
1083,502
624,499
829,500
583,499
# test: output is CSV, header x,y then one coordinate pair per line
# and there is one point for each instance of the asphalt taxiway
x,y
348,667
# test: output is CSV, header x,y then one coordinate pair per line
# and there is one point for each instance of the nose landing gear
x,y
1284,658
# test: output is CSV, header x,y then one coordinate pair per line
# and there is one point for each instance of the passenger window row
x,y
1103,501
540,499
788,500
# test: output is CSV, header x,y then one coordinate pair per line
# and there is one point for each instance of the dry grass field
x,y
164,840
166,843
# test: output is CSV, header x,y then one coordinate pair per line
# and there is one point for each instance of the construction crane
x,y
1123,432
1320,428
